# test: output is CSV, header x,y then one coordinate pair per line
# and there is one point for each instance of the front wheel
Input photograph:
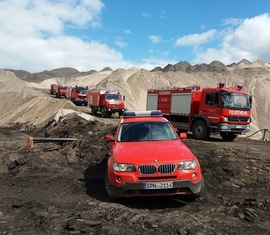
x,y
228,136
200,130
107,187
103,113
194,196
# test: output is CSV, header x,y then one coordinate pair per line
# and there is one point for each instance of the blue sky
x,y
37,35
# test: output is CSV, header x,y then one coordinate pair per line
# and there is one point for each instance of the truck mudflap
x,y
234,128
184,187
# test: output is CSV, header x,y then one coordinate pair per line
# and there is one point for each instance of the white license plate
x,y
159,185
238,126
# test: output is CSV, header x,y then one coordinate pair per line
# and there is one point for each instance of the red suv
x,y
147,158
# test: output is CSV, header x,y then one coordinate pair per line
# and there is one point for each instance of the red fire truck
x,y
61,91
218,110
53,89
78,95
106,101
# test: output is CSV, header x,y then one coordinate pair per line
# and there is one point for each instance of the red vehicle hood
x,y
146,152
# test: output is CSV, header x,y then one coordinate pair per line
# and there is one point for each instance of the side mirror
x,y
183,135
109,138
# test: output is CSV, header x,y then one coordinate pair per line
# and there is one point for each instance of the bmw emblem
x,y
155,160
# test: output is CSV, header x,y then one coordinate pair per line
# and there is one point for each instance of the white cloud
x,y
155,39
146,15
127,31
33,38
196,39
120,43
232,21
250,40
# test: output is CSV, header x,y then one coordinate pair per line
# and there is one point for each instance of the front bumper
x,y
137,189
115,110
234,128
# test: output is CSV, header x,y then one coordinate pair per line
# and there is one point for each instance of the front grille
x,y
238,119
115,106
147,169
161,169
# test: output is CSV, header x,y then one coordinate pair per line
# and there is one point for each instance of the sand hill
x,y
27,101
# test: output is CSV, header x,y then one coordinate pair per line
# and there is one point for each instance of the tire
x,y
194,196
197,195
200,130
103,113
93,110
107,187
228,136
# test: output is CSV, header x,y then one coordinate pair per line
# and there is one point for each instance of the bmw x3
x,y
148,158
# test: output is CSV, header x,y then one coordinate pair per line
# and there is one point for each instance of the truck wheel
x,y
200,130
93,110
228,136
103,113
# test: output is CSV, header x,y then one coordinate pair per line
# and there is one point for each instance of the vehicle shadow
x,y
214,138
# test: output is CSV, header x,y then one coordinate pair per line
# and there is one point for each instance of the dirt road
x,y
58,188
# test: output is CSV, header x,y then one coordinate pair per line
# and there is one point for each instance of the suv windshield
x,y
145,131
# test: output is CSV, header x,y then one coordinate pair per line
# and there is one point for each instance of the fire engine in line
x,y
53,89
61,91
106,101
219,110
78,95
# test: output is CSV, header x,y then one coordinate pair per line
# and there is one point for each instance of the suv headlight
x,y
120,167
187,165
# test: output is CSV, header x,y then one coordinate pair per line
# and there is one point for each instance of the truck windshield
x,y
146,131
113,97
81,90
235,100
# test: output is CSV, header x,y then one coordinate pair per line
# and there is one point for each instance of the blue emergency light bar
x,y
150,113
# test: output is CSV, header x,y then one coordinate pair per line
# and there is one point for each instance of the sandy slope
x,y
24,102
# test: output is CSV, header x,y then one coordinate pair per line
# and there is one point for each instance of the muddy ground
x,y
57,188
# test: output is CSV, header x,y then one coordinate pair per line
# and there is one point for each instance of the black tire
x,y
228,136
194,196
107,187
93,110
103,112
197,195
200,130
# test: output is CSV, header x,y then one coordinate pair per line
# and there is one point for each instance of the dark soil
x,y
57,188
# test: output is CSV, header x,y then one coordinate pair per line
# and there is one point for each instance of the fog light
x,y
118,178
194,175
